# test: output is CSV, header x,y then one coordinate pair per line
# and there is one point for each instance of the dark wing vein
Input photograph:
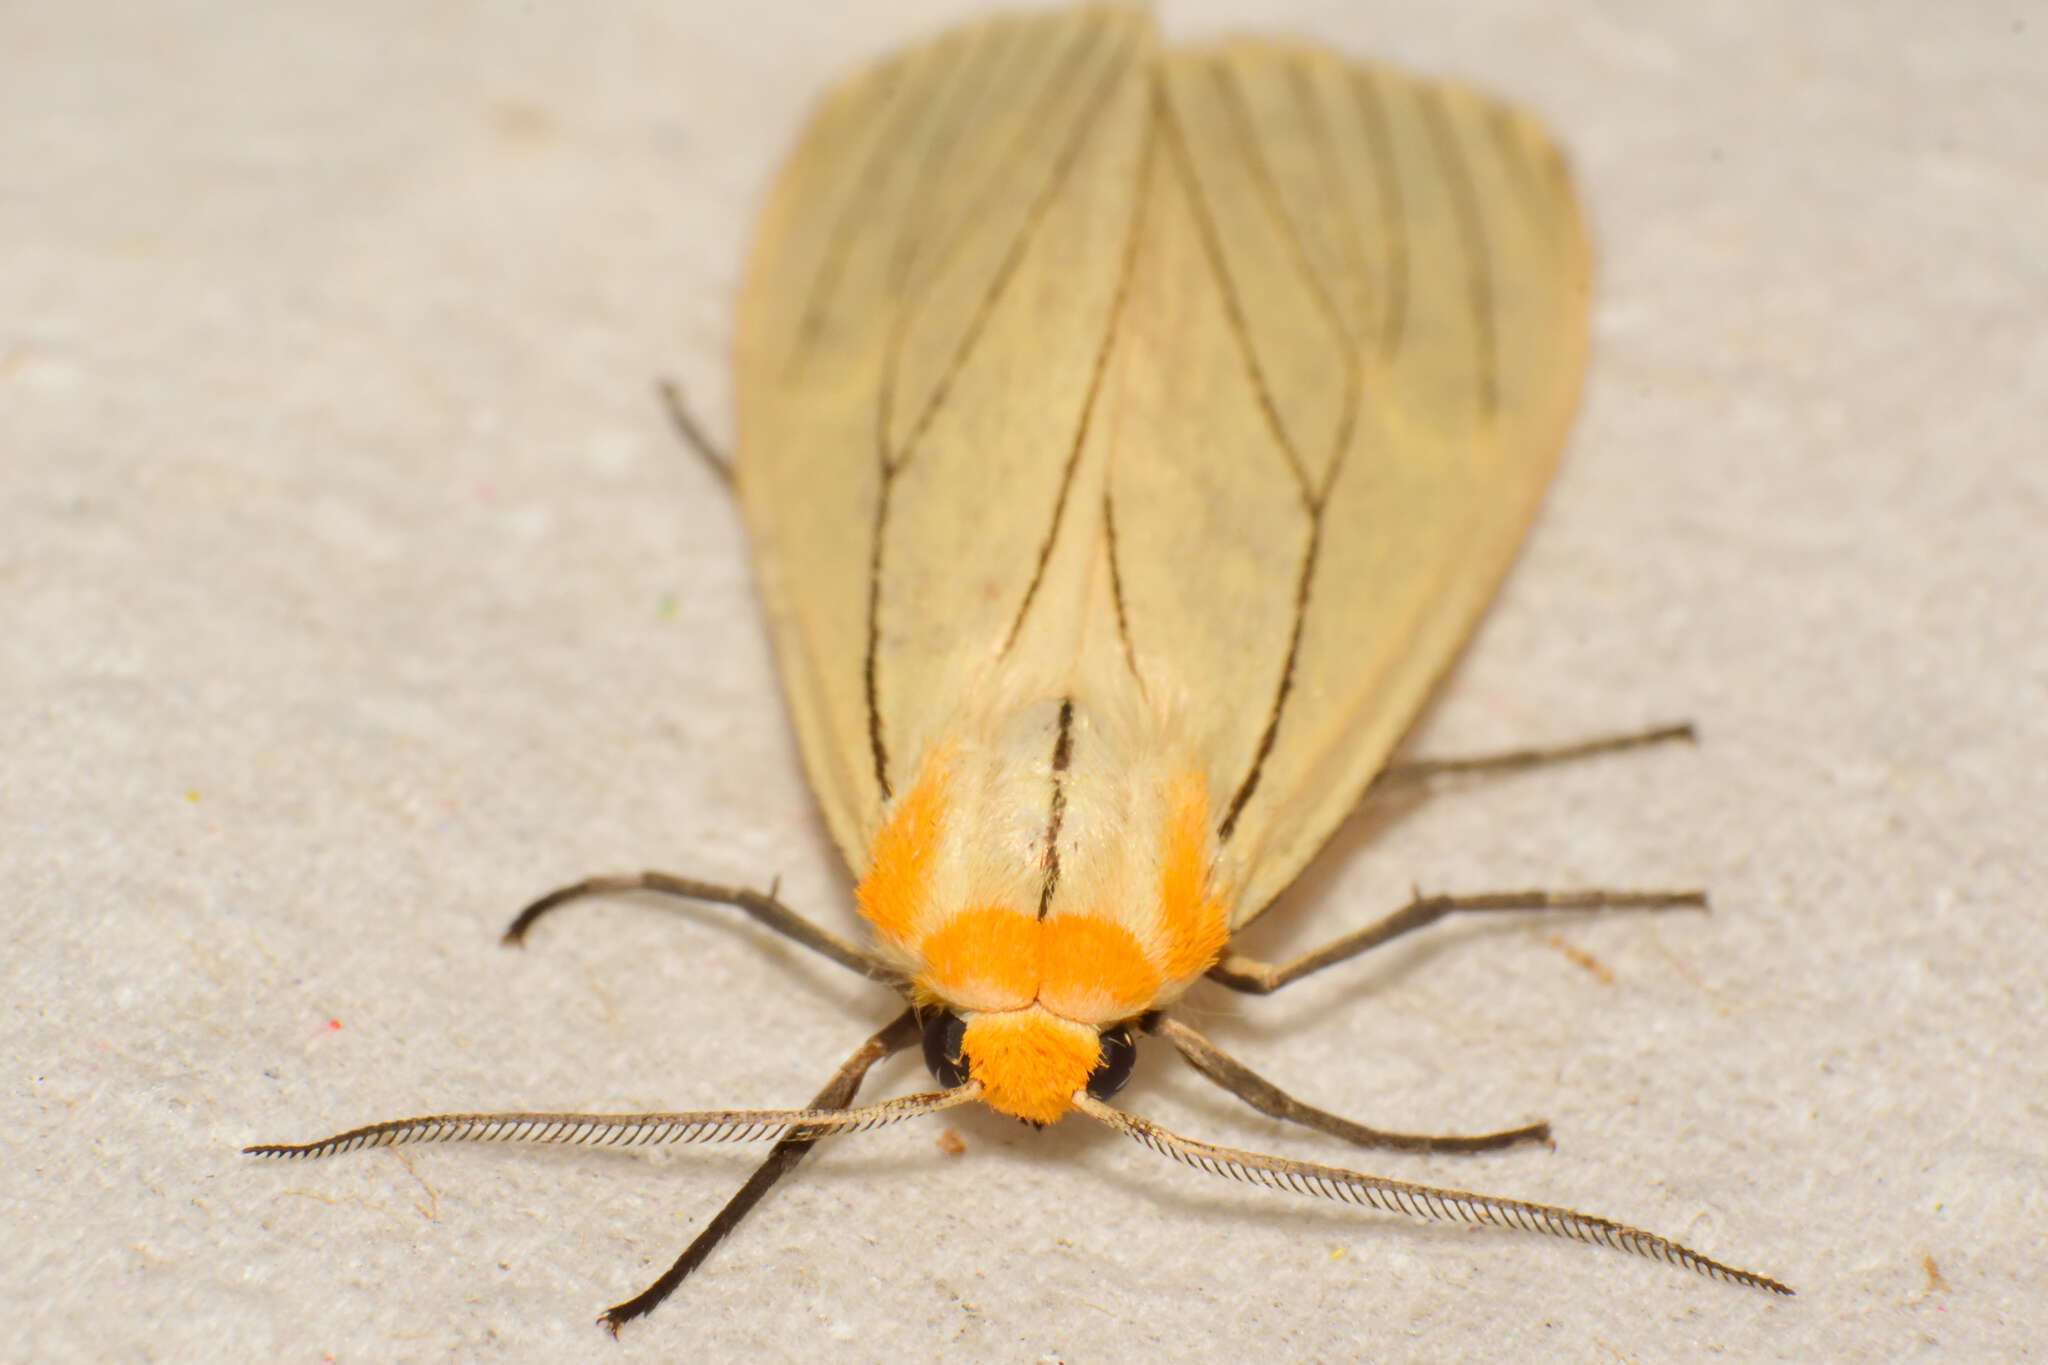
x,y
877,748
1472,242
855,209
1347,231
892,465
1508,146
1233,307
1116,589
1111,330
1276,208
1062,756
1284,690
1248,148
1393,224
971,86
999,283
997,175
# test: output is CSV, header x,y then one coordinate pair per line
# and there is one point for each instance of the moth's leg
x,y
1268,1098
764,908
1242,973
1518,760
1246,974
782,1159
692,434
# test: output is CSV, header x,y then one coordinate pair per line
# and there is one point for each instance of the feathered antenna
x,y
627,1130
1428,1203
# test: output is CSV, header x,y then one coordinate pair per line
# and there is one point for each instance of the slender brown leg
x,y
765,909
1518,760
1246,974
1262,1095
685,423
781,1160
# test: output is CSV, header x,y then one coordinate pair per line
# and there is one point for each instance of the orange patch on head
x,y
1094,971
984,959
1030,1063
1192,924
894,893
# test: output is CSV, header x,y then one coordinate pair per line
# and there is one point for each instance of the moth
x,y
1129,440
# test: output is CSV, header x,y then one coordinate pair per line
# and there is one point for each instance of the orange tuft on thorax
x,y
984,959
1094,970
897,887
1193,922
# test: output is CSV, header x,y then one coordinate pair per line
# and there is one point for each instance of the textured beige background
x,y
353,591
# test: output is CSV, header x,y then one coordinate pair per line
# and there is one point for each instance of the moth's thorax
x,y
1049,870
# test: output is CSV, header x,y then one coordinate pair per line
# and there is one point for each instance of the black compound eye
x,y
943,1034
1119,1055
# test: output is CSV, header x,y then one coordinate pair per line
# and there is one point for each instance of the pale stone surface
x,y
354,592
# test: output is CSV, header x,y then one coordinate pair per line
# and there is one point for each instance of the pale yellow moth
x,y
1129,441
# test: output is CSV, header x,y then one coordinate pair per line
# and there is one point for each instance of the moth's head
x,y
1030,1063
